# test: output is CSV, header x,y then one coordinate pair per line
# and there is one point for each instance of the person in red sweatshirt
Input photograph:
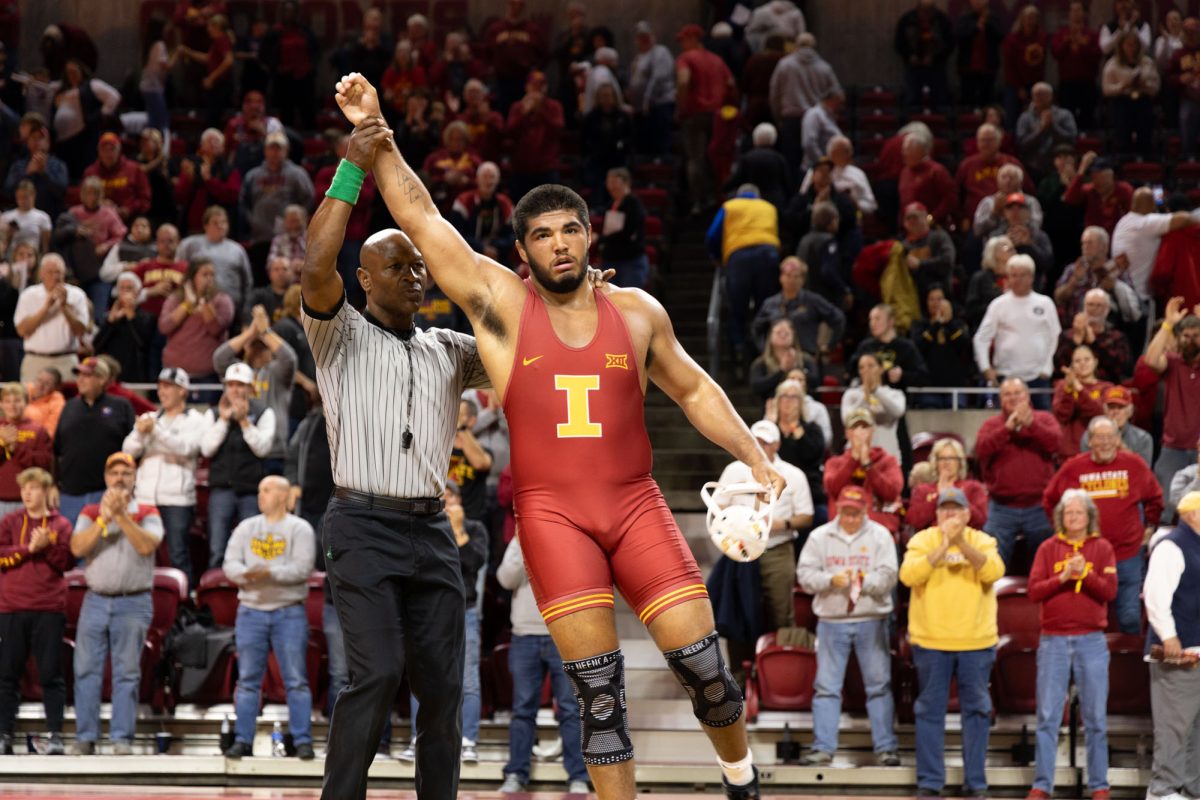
x,y
1016,450
1078,398
34,553
1024,59
872,468
976,175
948,460
1105,199
1074,578
535,124
124,182
1130,502
23,444
925,181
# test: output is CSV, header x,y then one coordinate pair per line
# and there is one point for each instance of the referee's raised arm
x,y
320,283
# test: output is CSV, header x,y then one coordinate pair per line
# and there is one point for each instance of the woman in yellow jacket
x,y
951,569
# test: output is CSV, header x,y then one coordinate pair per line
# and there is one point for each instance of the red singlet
x,y
588,511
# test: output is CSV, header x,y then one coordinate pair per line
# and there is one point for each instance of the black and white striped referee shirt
x,y
363,373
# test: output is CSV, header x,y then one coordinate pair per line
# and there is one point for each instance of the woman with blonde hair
x,y
780,356
1130,80
25,443
948,464
1078,398
802,438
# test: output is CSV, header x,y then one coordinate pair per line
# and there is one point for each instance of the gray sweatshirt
x,y
273,383
524,615
230,263
265,194
287,547
870,552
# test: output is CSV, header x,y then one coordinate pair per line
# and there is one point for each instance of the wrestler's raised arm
x,y
473,281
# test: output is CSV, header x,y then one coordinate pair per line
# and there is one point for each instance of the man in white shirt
x,y
1024,328
1138,235
793,513
847,178
26,224
1172,592
50,317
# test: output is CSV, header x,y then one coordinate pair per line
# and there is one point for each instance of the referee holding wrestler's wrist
x,y
391,396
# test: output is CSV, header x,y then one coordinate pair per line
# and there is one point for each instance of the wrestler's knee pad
x,y
700,667
600,687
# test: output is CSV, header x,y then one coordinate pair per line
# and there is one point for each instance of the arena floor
x,y
167,793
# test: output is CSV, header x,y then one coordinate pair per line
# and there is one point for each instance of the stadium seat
x,y
781,678
876,97
448,15
352,14
802,602
870,146
654,173
1128,675
1186,173
969,122
1139,172
1014,676
656,201
937,123
218,594
502,694
170,589
1015,612
877,121
76,589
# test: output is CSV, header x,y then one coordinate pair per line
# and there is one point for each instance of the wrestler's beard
x,y
559,284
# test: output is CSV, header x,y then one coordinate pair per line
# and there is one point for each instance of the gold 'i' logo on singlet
x,y
579,423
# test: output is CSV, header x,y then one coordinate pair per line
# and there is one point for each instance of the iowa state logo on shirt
x,y
268,547
1105,485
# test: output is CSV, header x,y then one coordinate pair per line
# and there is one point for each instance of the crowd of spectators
x,y
998,232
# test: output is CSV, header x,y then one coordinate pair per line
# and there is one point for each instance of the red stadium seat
x,y
657,201
1142,172
76,589
1015,612
876,97
1128,675
170,589
1085,143
448,15
969,122
802,602
1187,172
781,678
352,14
877,121
654,173
218,594
937,123
870,146
1014,676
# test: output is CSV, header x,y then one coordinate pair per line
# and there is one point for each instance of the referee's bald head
x,y
392,273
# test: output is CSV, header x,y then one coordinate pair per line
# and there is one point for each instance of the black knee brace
x,y
700,667
600,687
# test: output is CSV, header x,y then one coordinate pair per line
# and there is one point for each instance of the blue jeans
x,y
284,631
69,505
1057,658
157,115
530,658
1005,522
751,273
631,273
935,668
472,694
225,510
335,645
869,642
177,522
1130,574
113,626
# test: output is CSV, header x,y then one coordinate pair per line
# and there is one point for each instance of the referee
x,y
391,395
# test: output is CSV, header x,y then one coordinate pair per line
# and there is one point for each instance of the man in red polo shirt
x,y
1130,502
702,82
1105,199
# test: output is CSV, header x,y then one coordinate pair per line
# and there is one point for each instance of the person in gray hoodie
x,y
270,557
800,81
531,656
849,566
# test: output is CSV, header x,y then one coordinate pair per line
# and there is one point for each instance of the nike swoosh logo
x,y
525,362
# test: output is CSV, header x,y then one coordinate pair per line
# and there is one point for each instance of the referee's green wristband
x,y
347,182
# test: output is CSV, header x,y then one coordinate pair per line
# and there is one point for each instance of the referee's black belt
x,y
419,506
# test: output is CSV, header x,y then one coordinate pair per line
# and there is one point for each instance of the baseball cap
x,y
853,496
176,376
239,372
859,416
92,366
120,458
1015,199
278,138
952,495
643,28
766,431
691,31
1118,396
1190,502
1101,164
915,207
110,138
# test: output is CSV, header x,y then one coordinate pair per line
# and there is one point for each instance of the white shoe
x,y
578,787
512,784
408,754
469,753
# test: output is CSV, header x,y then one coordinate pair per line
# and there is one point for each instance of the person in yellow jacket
x,y
951,569
744,237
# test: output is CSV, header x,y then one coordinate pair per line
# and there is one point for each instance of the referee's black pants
x,y
397,588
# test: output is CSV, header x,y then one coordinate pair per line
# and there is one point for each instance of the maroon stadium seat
x,y
876,97
1015,612
1014,676
76,589
802,602
1128,675
781,678
1142,172
218,594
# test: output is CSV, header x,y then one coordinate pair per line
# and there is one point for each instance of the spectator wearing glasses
x,y
948,461
1078,398
1118,406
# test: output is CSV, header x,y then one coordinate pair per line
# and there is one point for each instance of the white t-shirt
x,y
1138,237
1025,332
54,334
30,225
